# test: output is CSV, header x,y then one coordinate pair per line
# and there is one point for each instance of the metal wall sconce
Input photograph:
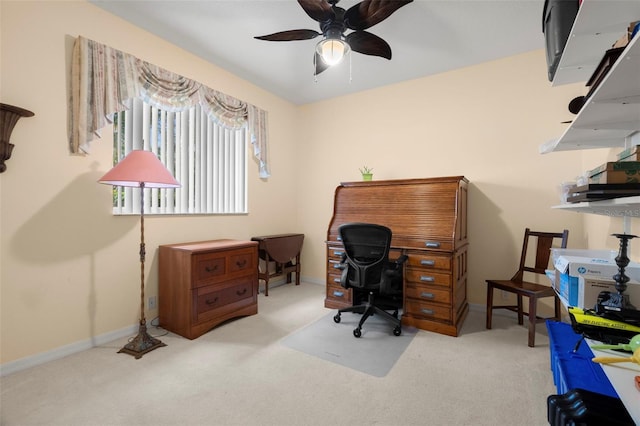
x,y
9,116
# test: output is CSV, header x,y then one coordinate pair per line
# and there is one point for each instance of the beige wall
x,y
484,122
68,268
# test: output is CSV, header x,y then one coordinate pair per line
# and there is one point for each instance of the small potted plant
x,y
367,173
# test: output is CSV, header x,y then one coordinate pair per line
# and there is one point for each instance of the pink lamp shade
x,y
140,167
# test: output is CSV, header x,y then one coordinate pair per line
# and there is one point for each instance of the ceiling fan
x,y
334,21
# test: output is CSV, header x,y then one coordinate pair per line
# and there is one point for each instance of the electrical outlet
x,y
152,303
504,295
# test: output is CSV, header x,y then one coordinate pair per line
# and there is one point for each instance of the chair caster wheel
x,y
336,318
357,332
397,331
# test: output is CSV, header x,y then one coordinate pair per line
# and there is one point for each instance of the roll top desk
x,y
428,218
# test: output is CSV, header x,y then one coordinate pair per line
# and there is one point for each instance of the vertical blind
x,y
209,160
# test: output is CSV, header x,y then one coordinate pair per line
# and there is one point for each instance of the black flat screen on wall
x,y
557,19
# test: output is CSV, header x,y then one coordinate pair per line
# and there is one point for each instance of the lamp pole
x,y
143,342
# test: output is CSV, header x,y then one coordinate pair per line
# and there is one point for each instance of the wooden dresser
x,y
202,284
428,218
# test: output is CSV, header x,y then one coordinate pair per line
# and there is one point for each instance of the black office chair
x,y
367,270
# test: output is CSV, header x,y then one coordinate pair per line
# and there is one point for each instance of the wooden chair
x,y
532,290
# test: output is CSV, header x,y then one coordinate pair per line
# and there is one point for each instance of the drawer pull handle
x,y
338,293
210,269
337,253
336,280
211,302
241,292
427,278
241,263
337,266
432,244
427,311
427,262
427,295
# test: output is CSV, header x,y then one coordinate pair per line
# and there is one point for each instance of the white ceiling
x,y
426,37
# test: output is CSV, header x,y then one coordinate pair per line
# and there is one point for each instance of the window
x,y
209,161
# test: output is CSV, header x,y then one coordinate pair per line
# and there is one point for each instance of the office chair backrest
x,y
366,248
543,246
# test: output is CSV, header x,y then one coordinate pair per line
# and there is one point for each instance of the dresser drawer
x,y
428,293
207,267
424,310
429,261
211,298
218,266
427,277
241,261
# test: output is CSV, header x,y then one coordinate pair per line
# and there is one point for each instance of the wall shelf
x,y
597,26
615,207
612,113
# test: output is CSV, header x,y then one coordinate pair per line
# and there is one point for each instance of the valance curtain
x,y
105,80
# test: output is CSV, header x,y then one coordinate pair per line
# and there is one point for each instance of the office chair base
x,y
367,310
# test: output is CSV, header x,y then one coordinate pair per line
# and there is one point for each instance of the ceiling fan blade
x,y
318,10
367,13
319,63
290,35
368,44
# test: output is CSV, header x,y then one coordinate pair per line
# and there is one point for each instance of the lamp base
x,y
141,344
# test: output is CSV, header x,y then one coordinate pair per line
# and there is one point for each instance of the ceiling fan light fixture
x,y
332,50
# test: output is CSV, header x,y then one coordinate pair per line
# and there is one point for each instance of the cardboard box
x,y
616,172
616,177
569,270
589,288
583,291
615,166
626,37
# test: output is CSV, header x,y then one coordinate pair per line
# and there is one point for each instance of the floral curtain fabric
x,y
104,80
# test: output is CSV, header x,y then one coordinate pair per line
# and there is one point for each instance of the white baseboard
x,y
63,351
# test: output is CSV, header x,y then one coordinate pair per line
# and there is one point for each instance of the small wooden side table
x,y
284,251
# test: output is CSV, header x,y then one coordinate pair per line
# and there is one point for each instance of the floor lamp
x,y
140,169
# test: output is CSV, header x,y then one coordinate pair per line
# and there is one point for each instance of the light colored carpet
x,y
374,353
241,374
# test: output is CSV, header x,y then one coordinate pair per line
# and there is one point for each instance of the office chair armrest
x,y
343,263
395,266
344,276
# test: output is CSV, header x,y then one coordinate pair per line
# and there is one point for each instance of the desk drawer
x,y
427,310
422,276
338,293
429,261
335,252
334,279
428,293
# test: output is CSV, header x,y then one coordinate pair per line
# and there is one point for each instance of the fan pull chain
x,y
315,67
